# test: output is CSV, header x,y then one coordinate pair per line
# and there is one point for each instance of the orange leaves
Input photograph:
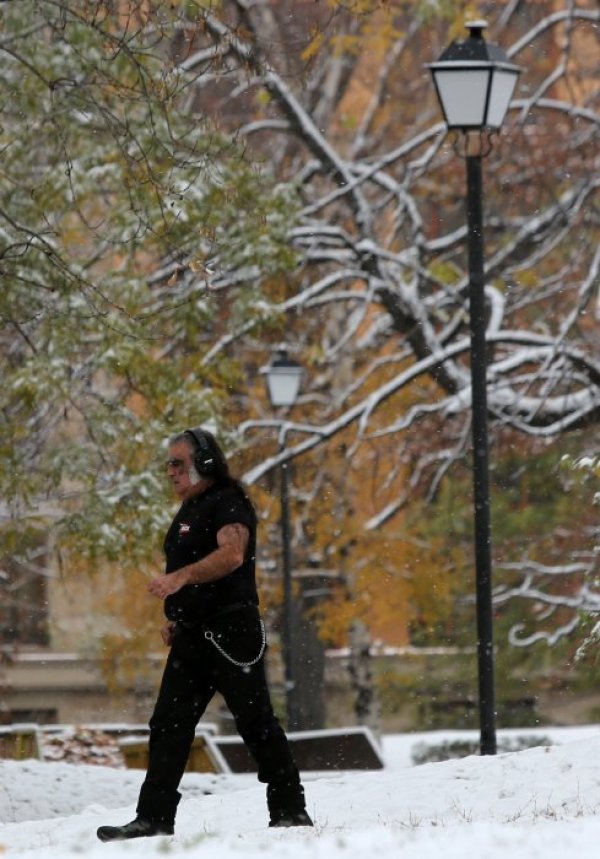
x,y
314,46
136,619
393,582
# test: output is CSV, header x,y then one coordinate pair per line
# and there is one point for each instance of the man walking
x,y
216,639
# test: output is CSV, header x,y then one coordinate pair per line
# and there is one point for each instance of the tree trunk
x,y
366,705
309,666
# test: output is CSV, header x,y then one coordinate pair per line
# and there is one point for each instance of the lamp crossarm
x,y
466,144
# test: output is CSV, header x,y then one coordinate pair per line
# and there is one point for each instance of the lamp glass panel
x,y
283,386
463,95
503,86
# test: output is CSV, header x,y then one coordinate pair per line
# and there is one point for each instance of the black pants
x,y
194,671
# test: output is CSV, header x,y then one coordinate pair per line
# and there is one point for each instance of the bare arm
x,y
232,543
167,632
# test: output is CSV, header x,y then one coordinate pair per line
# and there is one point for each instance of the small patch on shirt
x,y
184,528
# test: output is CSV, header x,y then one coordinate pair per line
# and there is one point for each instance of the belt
x,y
229,609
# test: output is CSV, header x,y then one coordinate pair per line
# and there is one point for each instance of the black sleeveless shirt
x,y
192,536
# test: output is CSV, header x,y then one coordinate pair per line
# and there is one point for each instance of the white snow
x,y
536,804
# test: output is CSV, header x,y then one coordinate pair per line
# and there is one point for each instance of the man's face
x,y
179,464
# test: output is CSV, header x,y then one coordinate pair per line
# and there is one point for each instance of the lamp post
x,y
474,82
283,377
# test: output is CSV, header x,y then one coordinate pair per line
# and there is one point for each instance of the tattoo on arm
x,y
234,537
232,542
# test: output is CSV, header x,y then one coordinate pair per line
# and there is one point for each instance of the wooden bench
x,y
330,749
19,742
205,756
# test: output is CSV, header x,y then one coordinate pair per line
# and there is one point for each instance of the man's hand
x,y
164,586
167,631
232,543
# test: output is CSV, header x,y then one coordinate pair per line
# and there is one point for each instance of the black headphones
x,y
204,457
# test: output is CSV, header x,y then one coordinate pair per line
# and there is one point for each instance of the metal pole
x,y
290,683
481,491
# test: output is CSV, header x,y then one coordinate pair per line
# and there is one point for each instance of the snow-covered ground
x,y
536,804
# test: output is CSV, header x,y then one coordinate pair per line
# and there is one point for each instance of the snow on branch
x,y
357,412
581,598
570,14
318,144
516,638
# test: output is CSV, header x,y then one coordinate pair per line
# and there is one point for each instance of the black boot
x,y
290,818
286,804
138,828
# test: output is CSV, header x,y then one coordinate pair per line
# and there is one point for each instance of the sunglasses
x,y
175,463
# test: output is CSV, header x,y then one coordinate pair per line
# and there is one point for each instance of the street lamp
x,y
283,377
474,82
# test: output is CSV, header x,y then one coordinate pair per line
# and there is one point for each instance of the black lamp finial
x,y
476,28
